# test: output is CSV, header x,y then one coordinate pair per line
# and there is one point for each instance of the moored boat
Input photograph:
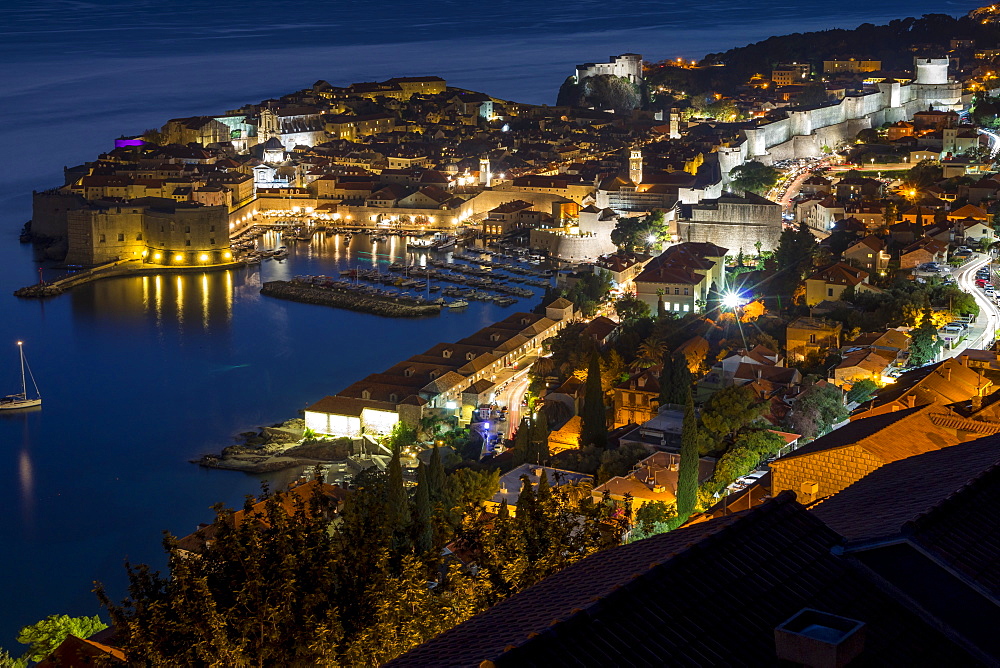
x,y
19,401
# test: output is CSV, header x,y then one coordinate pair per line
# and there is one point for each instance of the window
x,y
211,241
677,291
187,229
685,291
102,238
829,292
138,237
812,338
212,229
121,236
187,242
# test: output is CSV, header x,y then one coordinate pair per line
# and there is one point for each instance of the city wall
x,y
804,133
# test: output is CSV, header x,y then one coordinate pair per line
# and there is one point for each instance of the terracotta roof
x,y
889,437
74,652
947,382
840,273
619,606
348,406
877,507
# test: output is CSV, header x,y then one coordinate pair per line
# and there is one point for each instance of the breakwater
x,y
390,307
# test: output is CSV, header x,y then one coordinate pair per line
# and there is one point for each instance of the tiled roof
x,y
890,437
840,273
709,594
878,505
348,406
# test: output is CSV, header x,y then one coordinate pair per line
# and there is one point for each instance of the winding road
x,y
984,332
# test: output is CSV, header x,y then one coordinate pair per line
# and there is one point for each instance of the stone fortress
x,y
707,212
627,66
804,132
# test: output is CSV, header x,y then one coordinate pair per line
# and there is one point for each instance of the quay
x,y
390,307
114,269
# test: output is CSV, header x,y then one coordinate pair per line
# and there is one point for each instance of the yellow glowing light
x,y
203,257
157,256
227,255
144,253
178,258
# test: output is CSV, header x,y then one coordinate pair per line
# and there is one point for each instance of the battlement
x,y
627,65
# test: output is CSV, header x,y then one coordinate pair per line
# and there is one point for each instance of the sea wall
x,y
309,294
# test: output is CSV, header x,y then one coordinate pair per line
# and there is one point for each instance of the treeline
x,y
890,43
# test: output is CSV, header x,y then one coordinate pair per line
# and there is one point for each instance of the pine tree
x,y
423,539
687,475
594,430
525,501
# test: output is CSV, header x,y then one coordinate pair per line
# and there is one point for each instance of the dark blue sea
x,y
140,375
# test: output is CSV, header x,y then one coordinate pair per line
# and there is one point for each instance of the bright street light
x,y
732,300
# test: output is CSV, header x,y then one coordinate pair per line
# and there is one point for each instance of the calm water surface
x,y
140,375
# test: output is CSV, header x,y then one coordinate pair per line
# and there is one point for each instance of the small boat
x,y
280,255
458,303
19,401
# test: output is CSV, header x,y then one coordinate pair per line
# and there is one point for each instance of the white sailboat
x,y
18,401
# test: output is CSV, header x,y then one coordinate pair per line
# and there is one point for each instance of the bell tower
x,y
485,176
635,165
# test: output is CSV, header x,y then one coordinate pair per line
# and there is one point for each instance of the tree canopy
x,y
755,177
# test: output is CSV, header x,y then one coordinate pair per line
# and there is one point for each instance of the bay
x,y
140,375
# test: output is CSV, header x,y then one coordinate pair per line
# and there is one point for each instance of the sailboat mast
x,y
24,385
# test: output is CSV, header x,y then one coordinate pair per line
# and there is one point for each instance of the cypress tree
x,y
525,500
435,477
522,443
423,539
666,378
539,437
680,380
687,475
399,506
594,430
661,308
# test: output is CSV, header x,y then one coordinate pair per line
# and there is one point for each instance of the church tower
x,y
675,124
485,176
268,126
635,165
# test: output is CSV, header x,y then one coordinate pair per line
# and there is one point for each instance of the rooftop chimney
x,y
819,639
911,400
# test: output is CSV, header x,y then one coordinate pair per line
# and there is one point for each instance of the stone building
x,y
637,399
736,222
830,282
806,336
155,229
627,65
588,239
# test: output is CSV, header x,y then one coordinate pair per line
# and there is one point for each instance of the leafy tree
x,y
817,409
8,661
44,636
539,436
640,234
754,176
653,517
794,258
731,409
630,307
619,461
594,430
923,174
469,487
862,391
401,436
813,95
522,443
687,474
924,342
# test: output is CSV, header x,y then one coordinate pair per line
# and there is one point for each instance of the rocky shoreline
x,y
308,294
275,448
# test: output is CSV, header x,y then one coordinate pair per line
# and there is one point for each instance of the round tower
x,y
931,70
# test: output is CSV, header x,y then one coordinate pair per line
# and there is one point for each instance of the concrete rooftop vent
x,y
819,639
537,471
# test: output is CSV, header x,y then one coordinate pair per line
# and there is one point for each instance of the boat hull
x,y
19,404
